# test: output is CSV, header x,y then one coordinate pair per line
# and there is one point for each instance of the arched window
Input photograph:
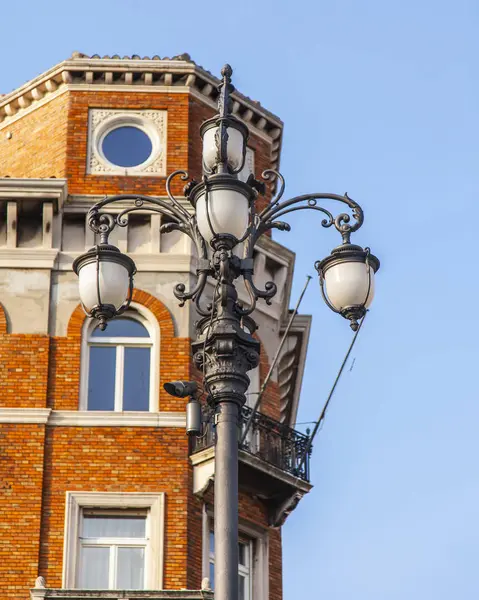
x,y
120,365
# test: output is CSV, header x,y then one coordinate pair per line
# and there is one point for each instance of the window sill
x,y
85,418
61,594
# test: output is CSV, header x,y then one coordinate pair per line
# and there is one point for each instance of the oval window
x,y
127,146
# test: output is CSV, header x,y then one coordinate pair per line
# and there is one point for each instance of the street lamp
x,y
223,216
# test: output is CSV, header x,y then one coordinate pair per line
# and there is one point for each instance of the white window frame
x,y
102,121
248,167
154,503
253,437
246,571
258,555
143,316
113,543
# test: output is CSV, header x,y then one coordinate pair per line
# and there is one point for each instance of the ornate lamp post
x,y
224,215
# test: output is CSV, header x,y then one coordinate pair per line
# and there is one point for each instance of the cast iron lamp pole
x,y
223,216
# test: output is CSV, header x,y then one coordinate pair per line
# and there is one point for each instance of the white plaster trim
x,y
75,501
27,258
149,321
25,415
148,89
200,457
85,418
9,120
259,536
270,469
13,188
80,418
162,262
102,121
204,469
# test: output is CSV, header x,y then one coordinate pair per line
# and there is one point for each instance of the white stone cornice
x,y
162,262
27,258
25,415
76,418
156,75
84,418
15,188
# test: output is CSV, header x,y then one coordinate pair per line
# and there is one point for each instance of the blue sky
x,y
379,99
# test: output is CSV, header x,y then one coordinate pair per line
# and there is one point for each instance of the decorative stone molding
x,y
154,502
25,415
178,74
291,367
103,121
60,594
54,190
80,418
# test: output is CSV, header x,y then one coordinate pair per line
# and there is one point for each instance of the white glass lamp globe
x,y
347,281
234,148
236,138
113,283
105,276
349,284
222,207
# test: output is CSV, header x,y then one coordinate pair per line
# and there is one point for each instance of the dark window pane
x,y
212,575
127,146
122,328
101,378
212,542
136,390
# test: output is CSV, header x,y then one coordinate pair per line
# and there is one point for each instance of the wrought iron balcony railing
x,y
267,439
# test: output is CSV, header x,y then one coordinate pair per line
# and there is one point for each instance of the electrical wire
x,y
273,364
319,422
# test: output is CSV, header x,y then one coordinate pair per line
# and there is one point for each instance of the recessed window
x,y
127,142
120,365
244,567
127,146
114,540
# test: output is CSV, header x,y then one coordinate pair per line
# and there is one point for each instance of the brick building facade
x,y
127,472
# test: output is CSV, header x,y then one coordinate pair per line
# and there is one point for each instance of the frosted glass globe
x,y
228,210
234,148
348,283
114,282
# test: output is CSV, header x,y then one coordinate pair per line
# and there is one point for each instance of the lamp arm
x,y
180,219
276,209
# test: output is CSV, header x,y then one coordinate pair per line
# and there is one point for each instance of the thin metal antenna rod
x,y
275,360
325,407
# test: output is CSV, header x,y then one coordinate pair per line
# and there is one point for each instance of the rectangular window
x,y
112,550
245,567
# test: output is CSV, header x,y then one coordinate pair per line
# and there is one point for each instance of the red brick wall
x,y
64,380
77,139
21,472
39,372
3,321
116,459
37,147
23,370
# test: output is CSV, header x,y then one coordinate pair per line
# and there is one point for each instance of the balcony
x,y
271,464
